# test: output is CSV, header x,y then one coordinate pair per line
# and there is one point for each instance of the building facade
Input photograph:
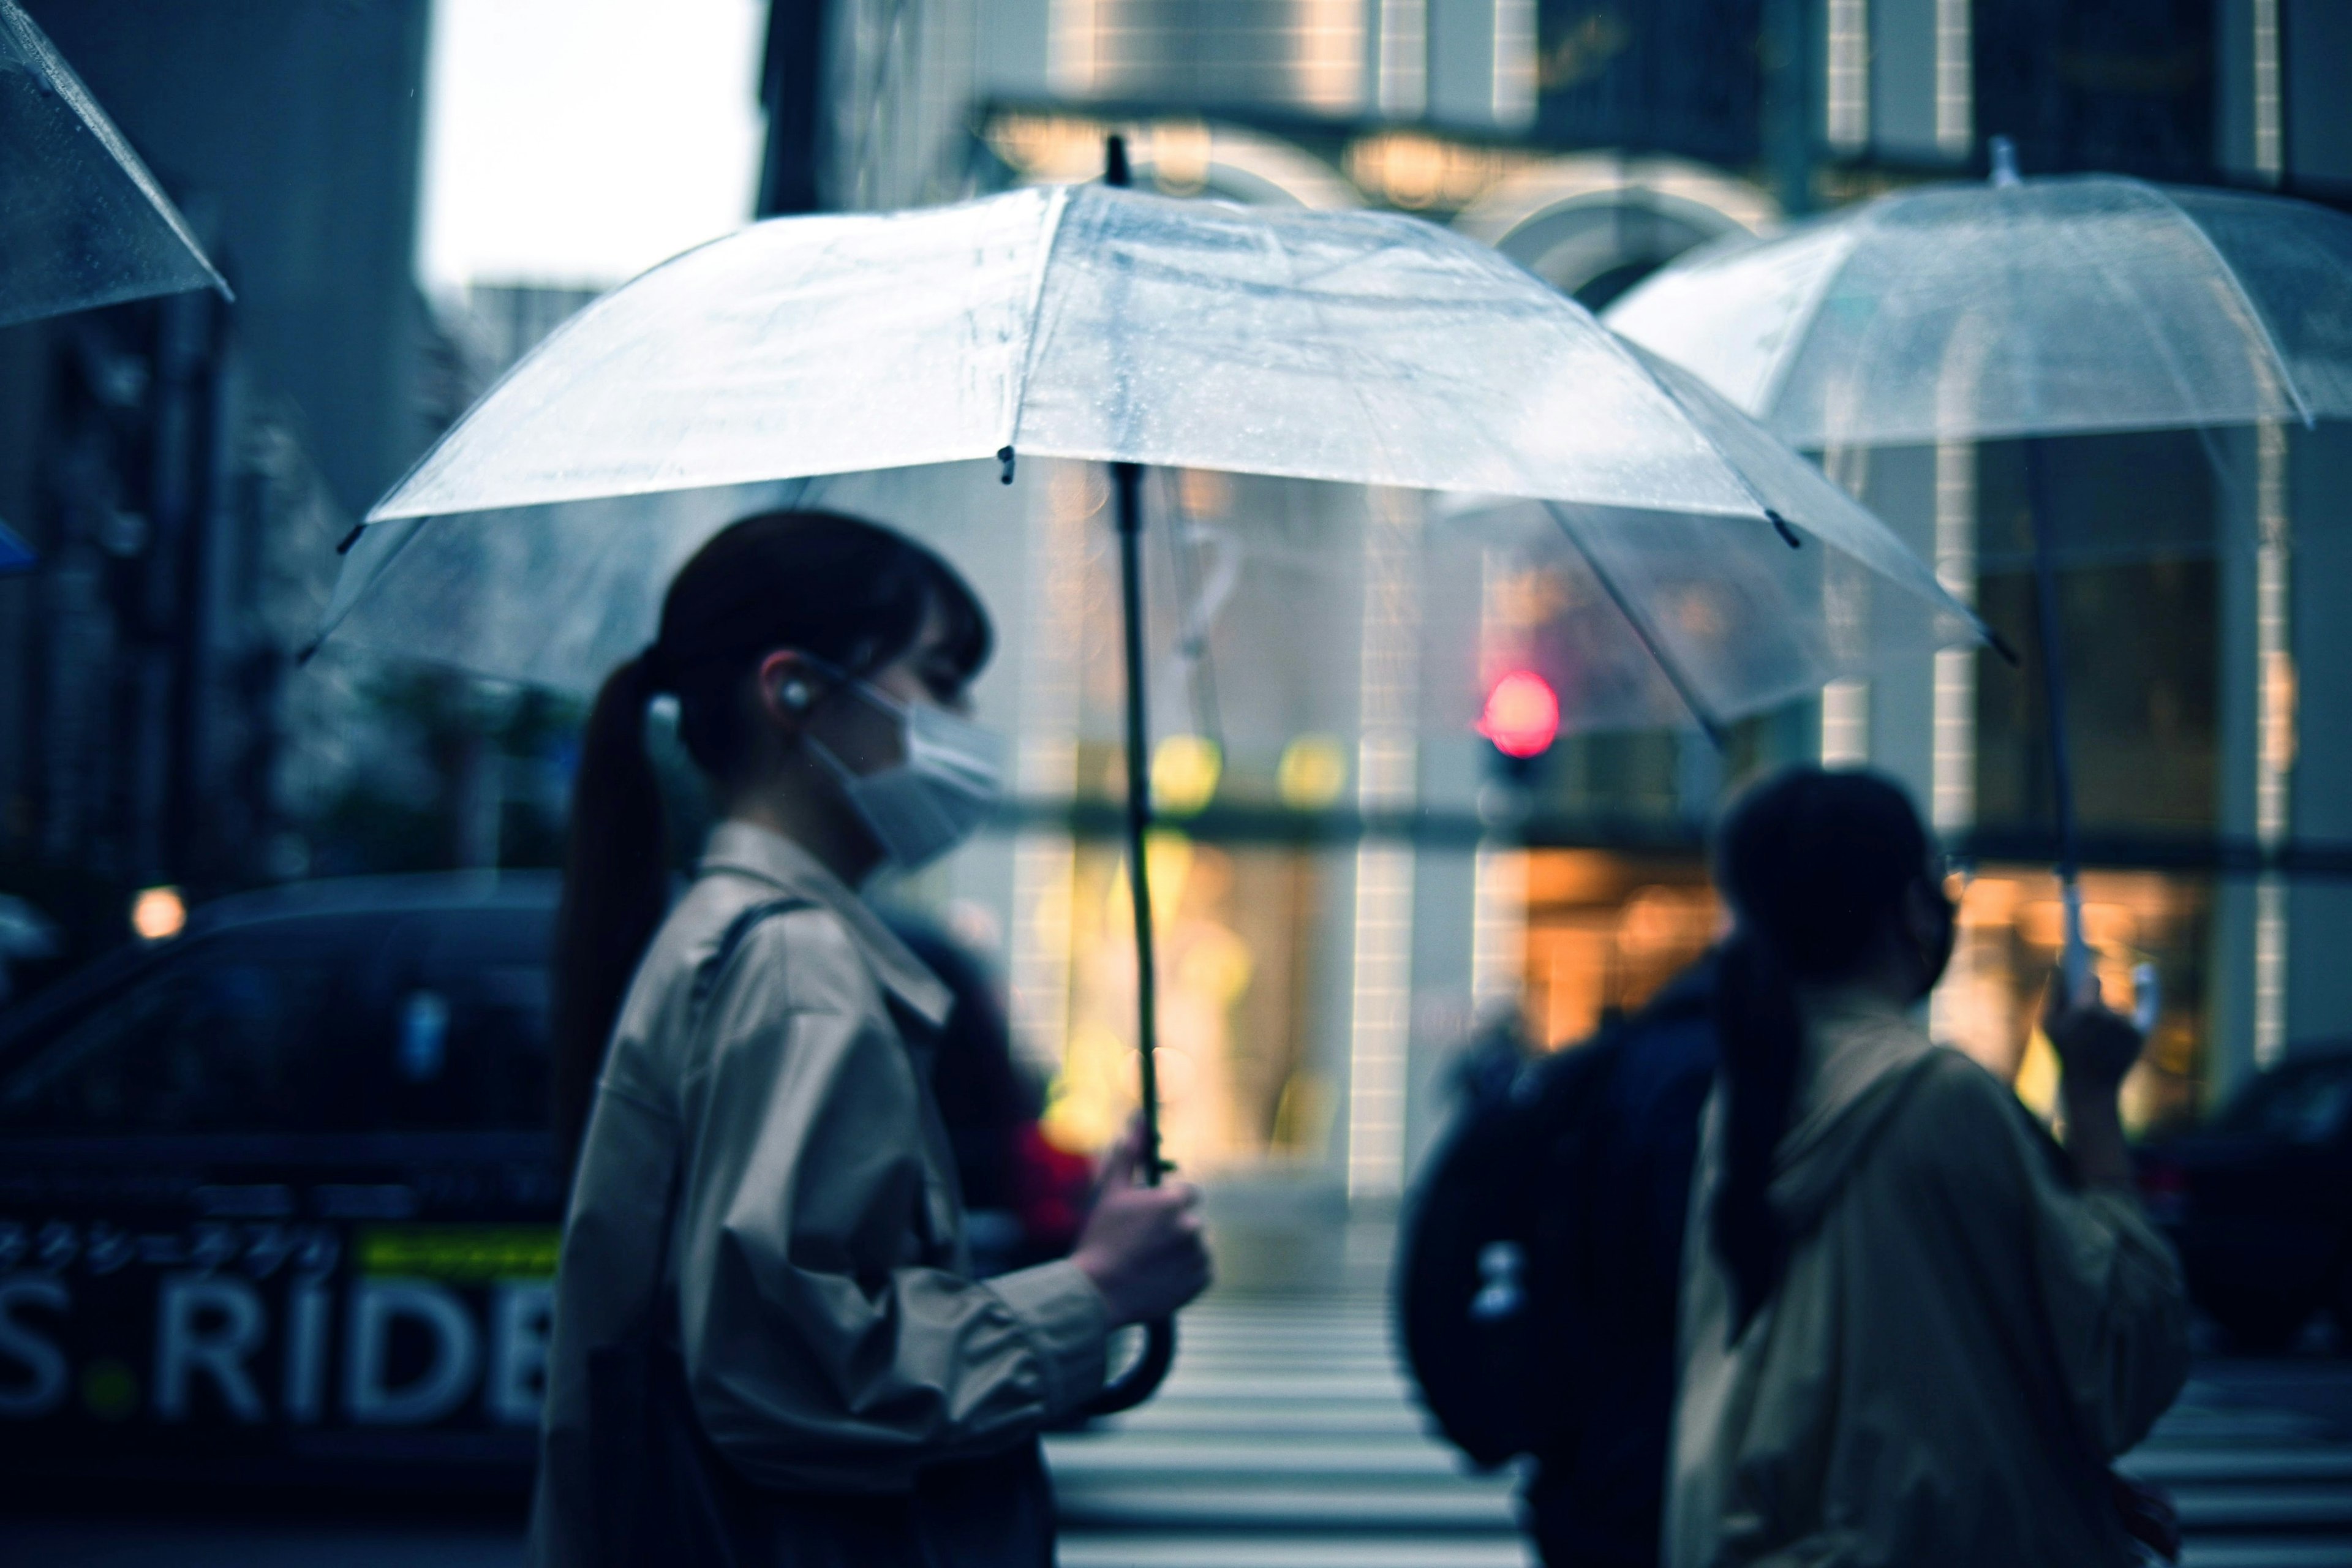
x,y
1592,141
184,466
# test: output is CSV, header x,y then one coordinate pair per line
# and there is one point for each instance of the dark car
x,y
2259,1201
277,1196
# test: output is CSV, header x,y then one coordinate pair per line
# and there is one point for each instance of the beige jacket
x,y
832,1337
1961,1339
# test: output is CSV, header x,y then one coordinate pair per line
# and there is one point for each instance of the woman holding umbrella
x,y
1912,1329
766,1346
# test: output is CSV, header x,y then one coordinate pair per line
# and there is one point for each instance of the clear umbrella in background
x,y
910,365
2020,307
82,222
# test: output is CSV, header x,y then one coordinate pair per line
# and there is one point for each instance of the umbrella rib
x,y
1059,206
1800,323
1764,508
2254,312
398,549
1641,628
2120,283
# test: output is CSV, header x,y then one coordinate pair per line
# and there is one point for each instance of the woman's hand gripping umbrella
x,y
1108,326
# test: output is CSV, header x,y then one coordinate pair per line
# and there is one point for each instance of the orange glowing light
x,y
157,915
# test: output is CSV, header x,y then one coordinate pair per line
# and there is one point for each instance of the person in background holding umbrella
x,y
767,1346
1913,1330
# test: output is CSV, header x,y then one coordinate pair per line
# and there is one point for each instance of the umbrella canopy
x,y
1103,325
82,222
15,555
2045,307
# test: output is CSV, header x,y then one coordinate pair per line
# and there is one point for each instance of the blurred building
x,y
1591,140
185,467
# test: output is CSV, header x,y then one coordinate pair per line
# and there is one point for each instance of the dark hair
x,y
1814,865
846,590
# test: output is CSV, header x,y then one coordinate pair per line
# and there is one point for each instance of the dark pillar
x,y
791,86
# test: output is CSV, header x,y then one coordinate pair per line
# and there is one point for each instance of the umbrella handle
x,y
1140,1381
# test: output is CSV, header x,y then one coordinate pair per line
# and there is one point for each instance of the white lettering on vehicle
x,y
211,1335
521,1312
307,1308
376,1304
44,1388
209,1323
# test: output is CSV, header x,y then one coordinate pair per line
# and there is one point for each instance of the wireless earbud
x,y
794,695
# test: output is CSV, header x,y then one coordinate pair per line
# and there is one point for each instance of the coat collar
x,y
756,852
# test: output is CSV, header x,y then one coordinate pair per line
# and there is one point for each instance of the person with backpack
x,y
1915,1329
1542,1261
768,1344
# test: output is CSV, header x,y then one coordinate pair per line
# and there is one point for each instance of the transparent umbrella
x,y
1095,324
2045,307
2020,307
836,354
82,222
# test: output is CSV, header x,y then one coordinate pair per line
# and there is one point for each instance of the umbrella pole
x,y
1126,479
1141,1380
2074,956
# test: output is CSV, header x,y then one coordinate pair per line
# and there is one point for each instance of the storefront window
x,y
1605,933
1234,925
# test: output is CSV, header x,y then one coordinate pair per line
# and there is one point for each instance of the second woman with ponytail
x,y
1913,1330
767,1346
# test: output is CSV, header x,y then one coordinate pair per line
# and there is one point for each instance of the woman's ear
x,y
786,690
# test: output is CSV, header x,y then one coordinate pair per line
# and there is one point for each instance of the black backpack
x,y
1484,1290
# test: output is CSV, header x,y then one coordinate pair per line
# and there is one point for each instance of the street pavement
x,y
1287,1438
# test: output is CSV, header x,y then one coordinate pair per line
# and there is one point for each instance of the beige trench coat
x,y
1962,1337
832,1340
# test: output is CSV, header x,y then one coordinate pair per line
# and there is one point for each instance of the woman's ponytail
x,y
1761,1037
616,891
1815,866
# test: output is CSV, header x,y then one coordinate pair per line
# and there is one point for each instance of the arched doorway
x,y
1593,225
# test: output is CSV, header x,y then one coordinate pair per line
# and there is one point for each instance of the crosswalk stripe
x,y
2176,1466
1319,1506
2204,1508
2230,1552
1261,1552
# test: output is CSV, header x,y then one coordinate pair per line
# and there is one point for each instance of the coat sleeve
x,y
2118,1311
818,1353
2114,1314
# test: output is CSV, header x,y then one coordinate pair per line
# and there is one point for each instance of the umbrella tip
x,y
1114,169
1004,454
351,539
1786,531
2001,646
2004,163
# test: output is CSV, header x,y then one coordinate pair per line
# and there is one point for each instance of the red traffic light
x,y
1522,716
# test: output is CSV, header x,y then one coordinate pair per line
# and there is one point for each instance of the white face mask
x,y
921,809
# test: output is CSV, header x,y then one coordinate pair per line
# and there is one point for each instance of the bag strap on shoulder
x,y
708,975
